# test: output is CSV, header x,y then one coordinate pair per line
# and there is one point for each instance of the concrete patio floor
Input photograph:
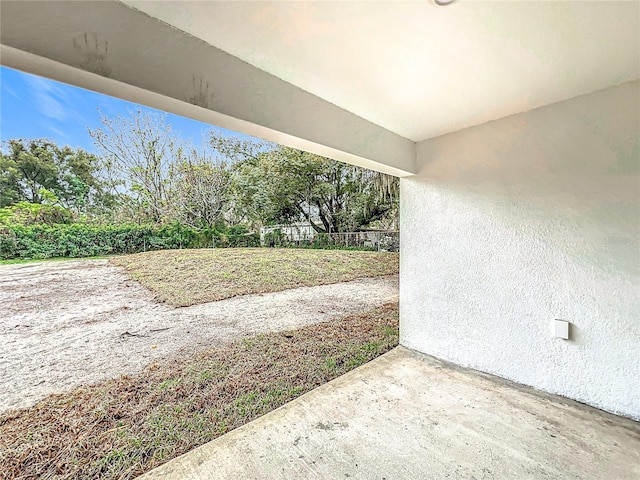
x,y
409,416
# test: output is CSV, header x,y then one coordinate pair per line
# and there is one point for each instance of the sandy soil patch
x,y
65,324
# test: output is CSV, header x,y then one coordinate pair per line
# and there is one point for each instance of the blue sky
x,y
35,107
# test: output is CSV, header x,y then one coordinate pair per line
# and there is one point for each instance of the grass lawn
x,y
124,427
189,277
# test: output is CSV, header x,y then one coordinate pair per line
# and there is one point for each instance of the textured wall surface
x,y
523,220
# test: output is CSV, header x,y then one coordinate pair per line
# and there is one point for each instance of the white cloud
x,y
50,98
58,132
10,91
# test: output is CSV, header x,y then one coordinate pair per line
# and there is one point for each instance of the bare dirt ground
x,y
71,323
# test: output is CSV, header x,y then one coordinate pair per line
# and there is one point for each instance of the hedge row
x,y
83,240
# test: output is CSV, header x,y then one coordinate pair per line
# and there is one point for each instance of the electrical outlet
x,y
561,329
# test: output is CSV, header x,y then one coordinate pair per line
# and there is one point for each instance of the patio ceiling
x,y
420,70
360,82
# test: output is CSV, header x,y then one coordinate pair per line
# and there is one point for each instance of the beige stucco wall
x,y
523,220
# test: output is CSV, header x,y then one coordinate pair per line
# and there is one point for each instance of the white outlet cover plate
x,y
561,329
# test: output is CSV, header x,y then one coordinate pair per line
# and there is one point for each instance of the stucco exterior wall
x,y
514,223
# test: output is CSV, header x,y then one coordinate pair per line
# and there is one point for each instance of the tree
x,y
39,171
277,184
29,167
10,190
379,200
198,189
317,187
138,151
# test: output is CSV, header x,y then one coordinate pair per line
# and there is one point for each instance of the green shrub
x,y
25,213
276,238
85,240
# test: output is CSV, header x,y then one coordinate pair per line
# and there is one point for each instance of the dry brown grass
x,y
189,277
124,427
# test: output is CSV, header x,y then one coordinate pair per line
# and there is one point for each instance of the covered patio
x,y
514,127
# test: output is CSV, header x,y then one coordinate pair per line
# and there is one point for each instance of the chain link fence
x,y
381,241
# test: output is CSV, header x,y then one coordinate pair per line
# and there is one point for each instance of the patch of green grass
x,y
372,346
389,331
355,360
124,427
189,277
13,261
169,383
331,364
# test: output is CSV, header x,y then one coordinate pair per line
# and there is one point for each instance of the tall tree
x,y
198,188
138,151
30,166
38,170
282,185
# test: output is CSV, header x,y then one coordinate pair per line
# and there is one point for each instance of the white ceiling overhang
x,y
357,81
418,69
